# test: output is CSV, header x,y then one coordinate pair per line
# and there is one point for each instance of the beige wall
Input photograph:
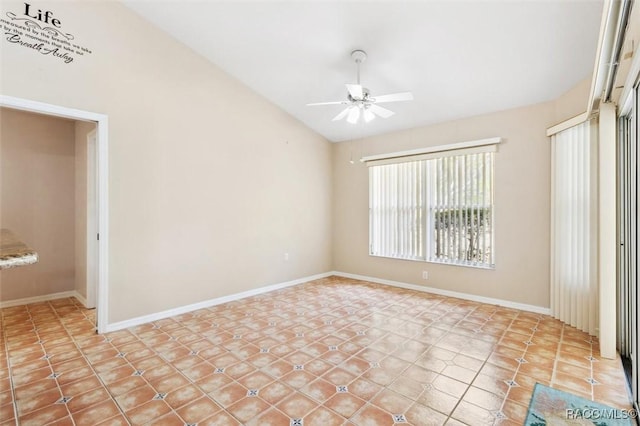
x,y
522,170
209,183
573,102
522,202
37,200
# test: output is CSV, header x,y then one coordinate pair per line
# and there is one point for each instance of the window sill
x,y
463,265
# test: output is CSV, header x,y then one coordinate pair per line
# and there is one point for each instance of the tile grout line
x,y
54,310
387,332
591,361
450,416
233,380
139,339
81,352
494,344
557,358
449,330
42,348
386,386
515,373
14,401
478,372
177,370
91,366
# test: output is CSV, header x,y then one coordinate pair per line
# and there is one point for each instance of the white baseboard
x,y
208,303
38,299
212,302
80,298
466,296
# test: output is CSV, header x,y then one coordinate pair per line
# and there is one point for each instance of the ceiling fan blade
x,y
355,90
328,103
368,115
342,114
354,115
382,112
394,97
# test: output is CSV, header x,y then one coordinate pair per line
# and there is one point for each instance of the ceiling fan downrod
x,y
359,56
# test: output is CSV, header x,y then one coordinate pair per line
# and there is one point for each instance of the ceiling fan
x,y
359,100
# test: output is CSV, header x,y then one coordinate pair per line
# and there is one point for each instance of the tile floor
x,y
329,352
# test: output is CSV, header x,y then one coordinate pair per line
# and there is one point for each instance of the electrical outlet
x,y
286,257
425,275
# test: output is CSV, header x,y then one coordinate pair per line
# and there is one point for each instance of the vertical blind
x,y
438,209
461,209
574,294
397,197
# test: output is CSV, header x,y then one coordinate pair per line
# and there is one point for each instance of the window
x,y
436,209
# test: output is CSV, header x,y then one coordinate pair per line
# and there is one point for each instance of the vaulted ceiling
x,y
459,58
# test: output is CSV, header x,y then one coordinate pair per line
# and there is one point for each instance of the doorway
x,y
97,218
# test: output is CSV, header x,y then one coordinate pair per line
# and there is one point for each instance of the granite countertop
x,y
14,252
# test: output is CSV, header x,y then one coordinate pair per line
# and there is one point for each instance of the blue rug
x,y
554,407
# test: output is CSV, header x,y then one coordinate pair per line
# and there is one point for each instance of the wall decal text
x,y
41,32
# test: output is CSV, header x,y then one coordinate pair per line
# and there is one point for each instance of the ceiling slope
x,y
459,58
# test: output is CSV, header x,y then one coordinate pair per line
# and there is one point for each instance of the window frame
x,y
429,209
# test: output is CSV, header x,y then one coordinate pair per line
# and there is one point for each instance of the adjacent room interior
x,y
318,213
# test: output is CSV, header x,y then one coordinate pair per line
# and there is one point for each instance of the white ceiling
x,y
459,58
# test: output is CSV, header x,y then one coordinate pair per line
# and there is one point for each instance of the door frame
x,y
102,186
92,229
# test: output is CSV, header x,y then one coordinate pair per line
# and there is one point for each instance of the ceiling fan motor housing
x,y
365,96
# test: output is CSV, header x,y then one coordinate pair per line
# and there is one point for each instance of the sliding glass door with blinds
x,y
436,207
628,249
574,236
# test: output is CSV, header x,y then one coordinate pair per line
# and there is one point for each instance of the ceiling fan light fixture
x,y
354,115
368,115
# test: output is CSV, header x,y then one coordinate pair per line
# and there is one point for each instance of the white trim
x,y
465,296
211,302
574,121
610,10
626,104
38,299
432,149
44,108
626,99
607,245
103,225
92,256
80,298
103,186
